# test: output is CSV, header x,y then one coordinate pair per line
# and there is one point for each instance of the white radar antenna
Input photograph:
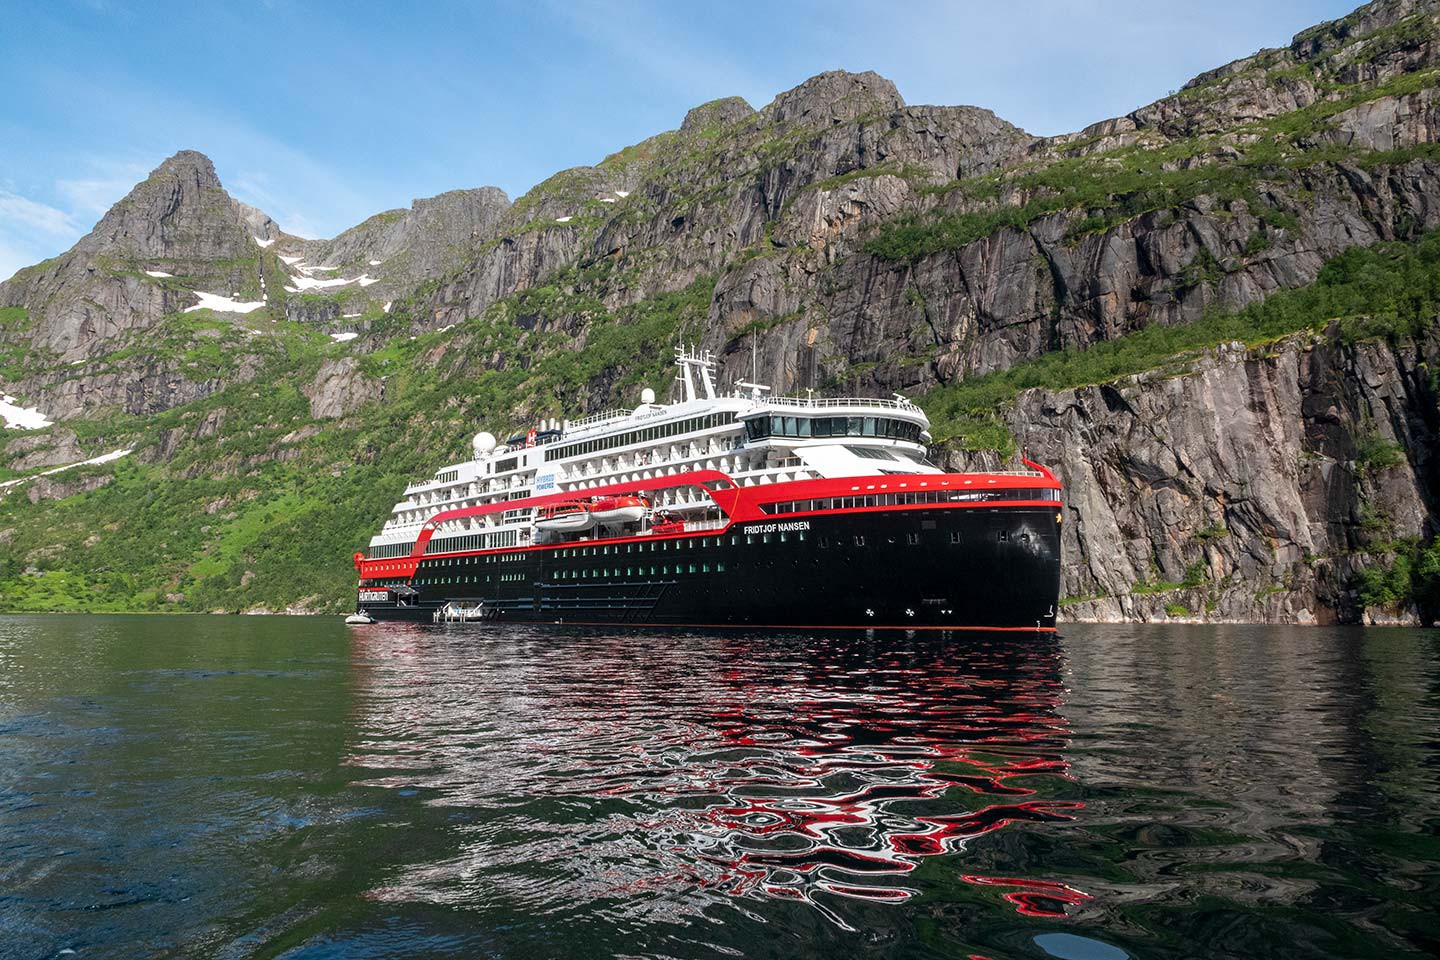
x,y
693,364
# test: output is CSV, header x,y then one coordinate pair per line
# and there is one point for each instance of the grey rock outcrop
x,y
53,488
401,248
1237,488
339,388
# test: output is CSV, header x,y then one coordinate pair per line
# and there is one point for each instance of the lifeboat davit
x,y
616,510
564,517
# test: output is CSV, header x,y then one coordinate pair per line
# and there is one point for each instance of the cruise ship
x,y
727,508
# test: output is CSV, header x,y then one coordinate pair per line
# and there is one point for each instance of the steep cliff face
x,y
900,248
1247,485
403,248
92,323
720,189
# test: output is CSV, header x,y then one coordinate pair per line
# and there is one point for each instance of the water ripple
x,y
783,768
175,787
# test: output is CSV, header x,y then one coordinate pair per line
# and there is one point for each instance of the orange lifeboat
x,y
619,509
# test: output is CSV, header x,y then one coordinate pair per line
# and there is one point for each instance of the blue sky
x,y
322,114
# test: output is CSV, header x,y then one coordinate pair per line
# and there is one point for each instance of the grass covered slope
x,y
245,499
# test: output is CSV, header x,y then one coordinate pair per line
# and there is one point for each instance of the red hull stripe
x,y
405,566
742,504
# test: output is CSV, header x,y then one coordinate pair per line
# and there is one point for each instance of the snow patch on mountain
x,y
21,418
214,301
103,458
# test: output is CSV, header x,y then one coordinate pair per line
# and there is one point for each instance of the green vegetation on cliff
x,y
1115,186
1412,577
1391,289
244,500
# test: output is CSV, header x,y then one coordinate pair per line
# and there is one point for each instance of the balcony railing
x,y
812,403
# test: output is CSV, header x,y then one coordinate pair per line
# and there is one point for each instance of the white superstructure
x,y
754,438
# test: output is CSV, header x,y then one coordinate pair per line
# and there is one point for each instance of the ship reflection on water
x,y
668,773
286,787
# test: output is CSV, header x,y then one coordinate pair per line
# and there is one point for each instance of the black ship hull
x,y
971,568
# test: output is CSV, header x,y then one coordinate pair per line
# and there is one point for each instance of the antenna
x,y
756,389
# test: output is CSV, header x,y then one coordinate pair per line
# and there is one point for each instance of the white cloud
x,y
30,231
18,214
13,257
91,197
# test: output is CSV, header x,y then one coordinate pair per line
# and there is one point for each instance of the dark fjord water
x,y
238,787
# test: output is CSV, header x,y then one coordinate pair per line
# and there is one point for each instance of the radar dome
x,y
483,443
647,395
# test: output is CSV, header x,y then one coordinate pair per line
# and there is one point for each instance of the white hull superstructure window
x,y
741,432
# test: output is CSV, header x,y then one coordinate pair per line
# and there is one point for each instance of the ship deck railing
x,y
595,419
817,402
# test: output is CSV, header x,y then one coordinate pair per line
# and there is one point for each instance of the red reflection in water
x,y
980,724
1038,898
743,767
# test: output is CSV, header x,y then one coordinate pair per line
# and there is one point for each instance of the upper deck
x,y
744,433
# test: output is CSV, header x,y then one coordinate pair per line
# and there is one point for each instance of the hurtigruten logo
x,y
777,527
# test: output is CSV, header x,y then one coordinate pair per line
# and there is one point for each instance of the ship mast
x,y
692,365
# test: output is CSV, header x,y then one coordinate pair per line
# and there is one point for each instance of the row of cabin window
x,y
477,541
653,570
653,546
913,539
445,581
487,558
735,539
782,536
619,548
646,435
779,536
777,426
894,499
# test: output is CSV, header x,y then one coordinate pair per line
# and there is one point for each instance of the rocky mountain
x,y
1258,484
402,249
178,222
1150,304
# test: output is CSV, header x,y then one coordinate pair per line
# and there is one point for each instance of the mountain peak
x,y
187,161
720,112
179,210
836,96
